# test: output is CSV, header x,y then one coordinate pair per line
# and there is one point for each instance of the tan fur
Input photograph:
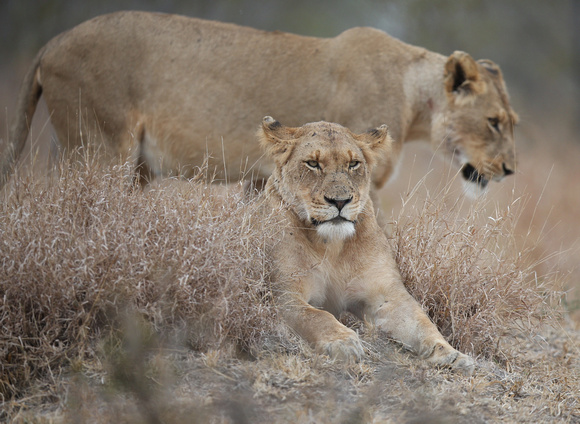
x,y
321,274
165,90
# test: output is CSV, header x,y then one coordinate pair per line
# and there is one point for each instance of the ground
x,y
538,382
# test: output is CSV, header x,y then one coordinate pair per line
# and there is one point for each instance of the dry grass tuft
x,y
122,289
466,270
80,252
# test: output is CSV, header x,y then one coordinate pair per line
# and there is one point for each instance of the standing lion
x,y
166,91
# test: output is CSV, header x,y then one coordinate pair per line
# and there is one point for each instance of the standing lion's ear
x,y
276,139
491,67
375,143
462,76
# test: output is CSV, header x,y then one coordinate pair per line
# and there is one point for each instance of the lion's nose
x,y
339,203
506,170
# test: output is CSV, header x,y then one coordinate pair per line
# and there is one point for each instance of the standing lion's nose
x,y
506,170
339,203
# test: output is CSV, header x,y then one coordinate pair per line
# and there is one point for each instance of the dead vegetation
x,y
88,249
465,268
129,306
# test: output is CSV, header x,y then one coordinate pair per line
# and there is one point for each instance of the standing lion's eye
x,y
353,164
494,122
312,164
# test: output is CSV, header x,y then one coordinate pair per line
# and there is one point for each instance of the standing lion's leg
x,y
131,148
401,317
379,214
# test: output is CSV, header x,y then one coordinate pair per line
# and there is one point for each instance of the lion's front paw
x,y
345,347
464,364
445,355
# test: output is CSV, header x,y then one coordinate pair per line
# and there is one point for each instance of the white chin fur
x,y
473,190
336,230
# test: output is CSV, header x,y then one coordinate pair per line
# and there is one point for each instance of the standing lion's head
x,y
476,126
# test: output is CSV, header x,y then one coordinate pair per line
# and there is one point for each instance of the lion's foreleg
x,y
401,317
322,330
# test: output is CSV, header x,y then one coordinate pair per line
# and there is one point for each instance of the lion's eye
x,y
353,164
312,164
494,122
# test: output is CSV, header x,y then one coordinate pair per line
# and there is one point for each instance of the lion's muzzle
x,y
340,227
471,175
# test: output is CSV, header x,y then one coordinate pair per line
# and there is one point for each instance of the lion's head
x,y
323,172
477,124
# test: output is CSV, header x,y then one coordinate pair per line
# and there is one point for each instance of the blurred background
x,y
536,43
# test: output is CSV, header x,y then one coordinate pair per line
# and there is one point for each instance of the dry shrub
x,y
79,252
86,251
466,270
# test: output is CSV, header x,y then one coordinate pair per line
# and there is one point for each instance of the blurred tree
x,y
575,42
536,42
529,39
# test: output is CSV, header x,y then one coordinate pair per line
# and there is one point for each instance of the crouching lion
x,y
334,257
165,91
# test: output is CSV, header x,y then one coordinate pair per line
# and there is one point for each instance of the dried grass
x,y
465,268
97,278
84,251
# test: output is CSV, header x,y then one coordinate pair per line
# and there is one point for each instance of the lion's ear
x,y
276,139
462,77
375,143
491,67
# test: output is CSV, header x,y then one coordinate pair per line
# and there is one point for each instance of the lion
x,y
334,256
165,91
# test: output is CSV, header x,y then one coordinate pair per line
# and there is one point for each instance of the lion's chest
x,y
330,286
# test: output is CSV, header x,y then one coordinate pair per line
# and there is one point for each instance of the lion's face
x,y
323,172
476,128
